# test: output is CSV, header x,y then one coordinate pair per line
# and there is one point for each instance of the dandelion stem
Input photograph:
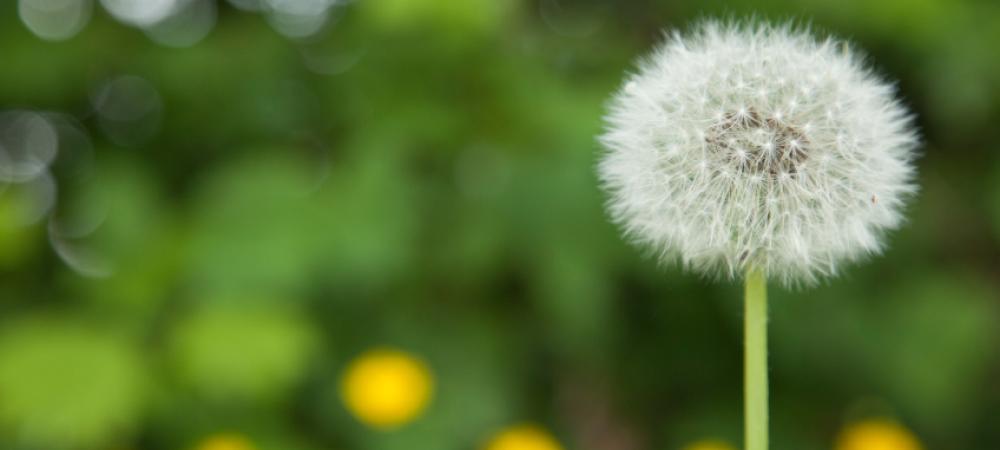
x,y
755,361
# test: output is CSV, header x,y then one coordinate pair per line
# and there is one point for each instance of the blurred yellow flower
x,y
523,437
386,388
227,441
877,434
709,444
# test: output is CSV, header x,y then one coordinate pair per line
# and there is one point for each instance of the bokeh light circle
x,y
141,13
298,18
129,109
28,144
191,22
55,20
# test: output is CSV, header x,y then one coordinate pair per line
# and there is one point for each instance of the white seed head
x,y
746,145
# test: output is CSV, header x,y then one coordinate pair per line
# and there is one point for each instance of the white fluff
x,y
746,145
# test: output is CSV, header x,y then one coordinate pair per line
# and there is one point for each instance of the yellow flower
x,y
523,437
226,441
709,444
386,388
877,434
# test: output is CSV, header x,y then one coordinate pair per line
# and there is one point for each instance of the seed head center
x,y
753,144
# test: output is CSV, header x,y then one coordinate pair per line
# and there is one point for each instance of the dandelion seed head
x,y
743,145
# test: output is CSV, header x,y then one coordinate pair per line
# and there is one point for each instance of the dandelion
x,y
523,437
709,444
386,388
877,434
226,441
754,150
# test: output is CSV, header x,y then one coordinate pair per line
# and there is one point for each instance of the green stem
x,y
755,361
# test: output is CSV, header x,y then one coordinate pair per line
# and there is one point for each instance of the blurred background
x,y
375,224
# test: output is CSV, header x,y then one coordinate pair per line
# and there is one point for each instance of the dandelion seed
x,y
753,207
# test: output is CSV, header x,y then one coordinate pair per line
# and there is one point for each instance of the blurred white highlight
x,y
55,20
129,109
141,13
187,25
28,144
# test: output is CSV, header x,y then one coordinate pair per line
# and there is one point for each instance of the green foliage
x,y
68,385
242,353
18,240
476,17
